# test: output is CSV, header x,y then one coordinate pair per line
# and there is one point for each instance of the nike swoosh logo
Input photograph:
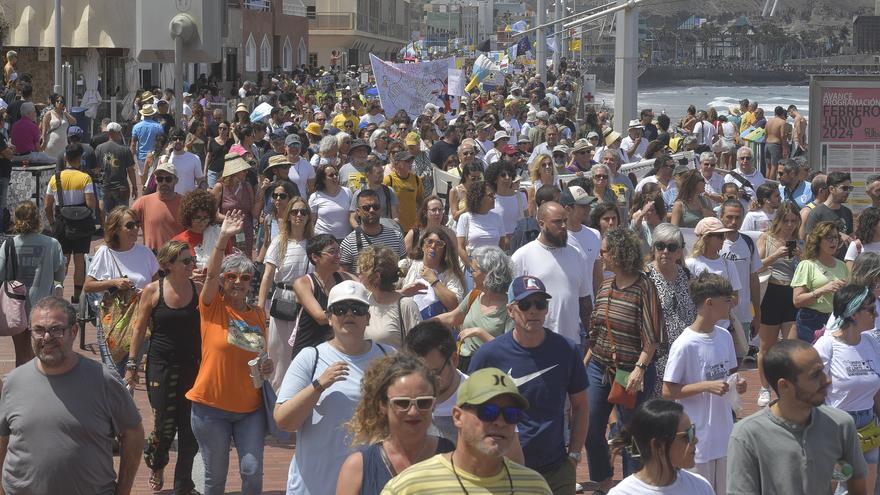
x,y
531,376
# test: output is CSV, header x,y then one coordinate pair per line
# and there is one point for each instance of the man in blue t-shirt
x,y
143,136
547,369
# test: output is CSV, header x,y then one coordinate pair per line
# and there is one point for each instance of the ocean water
x,y
674,100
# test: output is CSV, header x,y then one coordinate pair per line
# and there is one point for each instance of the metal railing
x,y
262,5
350,21
333,21
293,7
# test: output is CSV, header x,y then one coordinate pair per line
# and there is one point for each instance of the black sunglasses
x,y
371,207
488,413
356,308
164,178
540,304
671,247
131,225
280,196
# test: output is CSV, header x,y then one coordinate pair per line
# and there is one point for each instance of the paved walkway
x,y
277,457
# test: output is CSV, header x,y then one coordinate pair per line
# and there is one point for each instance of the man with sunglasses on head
x,y
832,210
187,165
548,369
487,409
321,388
158,213
370,232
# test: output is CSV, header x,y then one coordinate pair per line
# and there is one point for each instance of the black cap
x,y
359,143
402,156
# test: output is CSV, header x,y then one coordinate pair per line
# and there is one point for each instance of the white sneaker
x,y
764,397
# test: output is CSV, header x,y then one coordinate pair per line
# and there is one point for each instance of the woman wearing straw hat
x,y
233,192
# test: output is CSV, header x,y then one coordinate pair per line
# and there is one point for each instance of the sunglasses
x,y
435,243
131,225
403,404
467,153
238,277
662,246
690,434
540,304
177,139
371,207
488,413
164,178
187,261
356,308
280,196
745,158
303,212
600,177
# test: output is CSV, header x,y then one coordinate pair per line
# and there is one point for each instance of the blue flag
x,y
523,46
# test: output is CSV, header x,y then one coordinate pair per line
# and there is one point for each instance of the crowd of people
x,y
304,273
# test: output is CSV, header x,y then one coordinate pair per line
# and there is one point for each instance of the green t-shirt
x,y
495,323
812,274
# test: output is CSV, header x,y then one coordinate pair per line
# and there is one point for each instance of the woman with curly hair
x,y
390,425
541,172
510,202
391,314
430,215
817,277
690,206
435,260
626,328
867,233
330,204
480,226
198,213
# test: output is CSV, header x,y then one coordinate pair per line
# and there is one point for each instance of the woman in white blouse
x,y
330,204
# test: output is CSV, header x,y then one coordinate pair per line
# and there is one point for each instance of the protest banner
x,y
409,87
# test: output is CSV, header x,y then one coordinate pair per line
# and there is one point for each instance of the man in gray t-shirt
x,y
793,445
59,414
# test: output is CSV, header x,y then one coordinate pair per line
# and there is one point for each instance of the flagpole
x,y
566,18
541,42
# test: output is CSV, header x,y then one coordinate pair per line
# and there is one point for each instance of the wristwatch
x,y
642,366
317,385
131,365
575,456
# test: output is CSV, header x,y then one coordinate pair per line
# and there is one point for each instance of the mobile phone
x,y
791,246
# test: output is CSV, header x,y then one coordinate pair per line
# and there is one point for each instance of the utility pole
x,y
626,66
57,88
541,42
560,6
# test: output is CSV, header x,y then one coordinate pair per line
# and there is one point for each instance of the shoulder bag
x,y
71,221
619,394
13,297
119,317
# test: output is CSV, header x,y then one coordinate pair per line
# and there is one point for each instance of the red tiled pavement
x,y
276,457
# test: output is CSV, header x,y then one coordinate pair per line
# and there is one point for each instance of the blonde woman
x,y
390,425
541,172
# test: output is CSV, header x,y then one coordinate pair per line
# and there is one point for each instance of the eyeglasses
x,y
238,277
54,332
468,153
201,218
582,152
845,188
164,178
422,403
356,308
690,434
187,261
662,246
488,413
546,165
371,207
440,371
131,225
435,243
277,196
303,212
600,177
540,304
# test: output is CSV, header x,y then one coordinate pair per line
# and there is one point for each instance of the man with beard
x,y
550,258
487,409
551,139
351,175
59,414
832,210
158,212
370,232
548,371
793,445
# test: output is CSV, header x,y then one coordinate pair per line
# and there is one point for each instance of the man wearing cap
x,y
407,186
78,190
581,157
551,139
488,407
593,138
164,117
322,387
421,165
351,175
118,169
531,121
444,148
587,240
484,139
499,141
187,166
634,145
301,172
547,369
144,134
561,154
536,133
276,147
158,212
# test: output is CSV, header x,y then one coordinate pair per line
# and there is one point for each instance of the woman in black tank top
x,y
313,327
171,304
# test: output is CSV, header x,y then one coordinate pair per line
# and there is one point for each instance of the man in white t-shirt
x,y
550,259
745,256
704,131
586,240
713,181
187,165
700,361
634,144
746,170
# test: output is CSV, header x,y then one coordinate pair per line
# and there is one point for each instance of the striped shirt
x,y
358,240
634,318
75,184
435,476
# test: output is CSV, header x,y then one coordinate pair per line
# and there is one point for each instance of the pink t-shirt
x,y
158,219
25,136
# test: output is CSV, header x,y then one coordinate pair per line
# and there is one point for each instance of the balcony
x,y
293,7
332,21
258,5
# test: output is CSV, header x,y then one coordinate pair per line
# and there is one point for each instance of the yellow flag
x,y
575,45
507,28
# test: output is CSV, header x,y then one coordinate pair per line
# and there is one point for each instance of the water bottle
x,y
842,471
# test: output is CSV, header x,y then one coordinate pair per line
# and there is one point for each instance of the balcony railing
x,y
342,21
336,21
293,7
261,5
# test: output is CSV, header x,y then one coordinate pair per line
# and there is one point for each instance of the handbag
x,y
269,400
283,309
13,297
118,318
619,394
869,436
71,222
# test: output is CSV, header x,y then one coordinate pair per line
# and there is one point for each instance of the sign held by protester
x,y
409,87
456,82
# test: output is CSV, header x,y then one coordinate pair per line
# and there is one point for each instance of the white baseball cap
x,y
348,290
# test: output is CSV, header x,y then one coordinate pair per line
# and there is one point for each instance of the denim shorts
x,y
861,419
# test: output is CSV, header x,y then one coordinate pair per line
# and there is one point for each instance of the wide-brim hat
x,y
611,137
276,161
233,163
147,110
314,128
501,135
242,108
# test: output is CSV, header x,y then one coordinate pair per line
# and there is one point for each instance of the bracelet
x,y
435,282
131,365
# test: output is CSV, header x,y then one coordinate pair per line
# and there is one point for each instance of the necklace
x,y
458,478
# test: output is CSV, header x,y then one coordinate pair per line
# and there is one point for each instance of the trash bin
x,y
83,122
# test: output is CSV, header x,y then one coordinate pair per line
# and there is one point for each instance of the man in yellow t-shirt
x,y
488,406
407,186
345,115
748,118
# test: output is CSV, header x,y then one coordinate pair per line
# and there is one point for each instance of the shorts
x,y
75,246
777,307
775,152
862,419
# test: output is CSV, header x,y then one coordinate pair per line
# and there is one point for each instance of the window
x,y
310,12
250,55
313,60
265,54
287,55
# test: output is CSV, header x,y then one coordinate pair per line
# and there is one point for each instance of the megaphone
x,y
482,67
